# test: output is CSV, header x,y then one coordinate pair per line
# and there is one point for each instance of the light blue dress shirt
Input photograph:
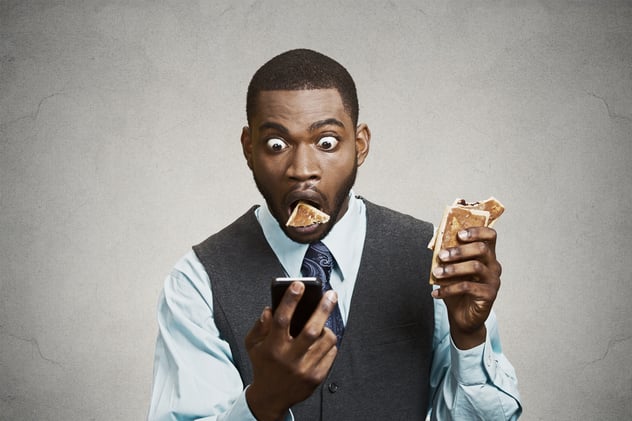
x,y
194,375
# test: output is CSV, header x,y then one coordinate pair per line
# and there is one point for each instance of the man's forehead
x,y
296,103
331,94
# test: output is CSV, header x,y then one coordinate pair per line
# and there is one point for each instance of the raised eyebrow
x,y
275,126
327,122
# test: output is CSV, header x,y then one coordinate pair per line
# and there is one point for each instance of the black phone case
x,y
306,306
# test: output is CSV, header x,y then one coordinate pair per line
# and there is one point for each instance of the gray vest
x,y
382,369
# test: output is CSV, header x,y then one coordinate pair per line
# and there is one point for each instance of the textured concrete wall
x,y
119,148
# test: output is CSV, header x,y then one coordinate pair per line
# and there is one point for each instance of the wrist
x,y
468,340
262,407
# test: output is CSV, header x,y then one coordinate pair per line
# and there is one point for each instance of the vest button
x,y
333,387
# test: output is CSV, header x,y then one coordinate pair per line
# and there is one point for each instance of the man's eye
x,y
327,143
276,145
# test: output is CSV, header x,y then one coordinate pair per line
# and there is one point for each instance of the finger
x,y
324,364
478,250
321,354
260,328
471,235
473,270
313,329
477,234
483,294
285,310
315,364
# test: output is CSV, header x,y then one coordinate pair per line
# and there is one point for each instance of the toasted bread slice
x,y
305,215
491,205
462,215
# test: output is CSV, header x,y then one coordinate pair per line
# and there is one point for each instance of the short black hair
x,y
303,69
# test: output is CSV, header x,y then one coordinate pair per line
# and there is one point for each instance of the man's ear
x,y
246,145
363,141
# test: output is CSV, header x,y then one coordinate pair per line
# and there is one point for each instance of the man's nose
x,y
304,164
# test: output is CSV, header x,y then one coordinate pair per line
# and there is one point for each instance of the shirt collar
x,y
342,240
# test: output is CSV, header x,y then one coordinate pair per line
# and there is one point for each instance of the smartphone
x,y
306,306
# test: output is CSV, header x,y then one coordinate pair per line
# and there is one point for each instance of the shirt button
x,y
333,387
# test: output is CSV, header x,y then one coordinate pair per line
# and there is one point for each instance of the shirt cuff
x,y
473,366
240,409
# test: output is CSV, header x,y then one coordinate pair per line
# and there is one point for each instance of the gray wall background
x,y
119,148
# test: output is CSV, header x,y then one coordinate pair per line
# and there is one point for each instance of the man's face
x,y
302,145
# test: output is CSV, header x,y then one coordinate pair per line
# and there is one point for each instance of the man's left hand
x,y
469,276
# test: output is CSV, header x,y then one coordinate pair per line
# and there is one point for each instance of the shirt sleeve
x,y
194,374
479,383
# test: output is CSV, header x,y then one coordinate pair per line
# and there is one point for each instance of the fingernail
x,y
296,287
444,254
332,296
435,293
463,235
438,271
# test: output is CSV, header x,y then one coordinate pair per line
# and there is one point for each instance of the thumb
x,y
260,329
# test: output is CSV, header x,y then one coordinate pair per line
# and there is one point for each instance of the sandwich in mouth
x,y
305,215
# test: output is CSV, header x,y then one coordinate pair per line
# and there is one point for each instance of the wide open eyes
x,y
276,144
327,143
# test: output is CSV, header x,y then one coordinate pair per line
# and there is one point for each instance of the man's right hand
x,y
287,370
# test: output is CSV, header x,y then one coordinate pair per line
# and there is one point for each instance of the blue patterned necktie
x,y
318,263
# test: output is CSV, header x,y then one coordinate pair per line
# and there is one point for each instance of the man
x,y
405,350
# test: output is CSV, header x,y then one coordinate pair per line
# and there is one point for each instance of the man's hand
x,y
287,370
469,276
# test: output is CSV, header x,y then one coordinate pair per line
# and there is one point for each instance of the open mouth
x,y
311,203
308,196
305,210
306,215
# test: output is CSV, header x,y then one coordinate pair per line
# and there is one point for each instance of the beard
x,y
338,202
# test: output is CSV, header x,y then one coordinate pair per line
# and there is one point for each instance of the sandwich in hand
x,y
462,215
